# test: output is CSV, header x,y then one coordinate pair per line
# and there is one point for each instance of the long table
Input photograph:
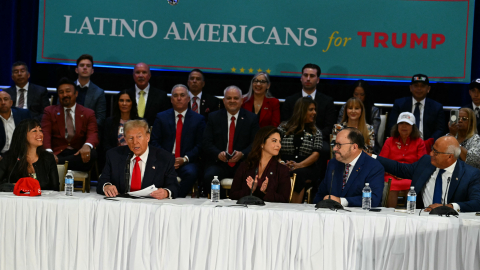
x,y
88,232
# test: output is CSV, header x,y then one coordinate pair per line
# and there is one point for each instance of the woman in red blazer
x,y
270,179
259,101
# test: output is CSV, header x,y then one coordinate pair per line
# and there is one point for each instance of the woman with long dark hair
x,y
27,158
270,179
124,109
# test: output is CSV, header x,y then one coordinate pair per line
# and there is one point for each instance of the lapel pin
x,y
241,118
81,115
58,113
456,178
265,108
153,167
271,173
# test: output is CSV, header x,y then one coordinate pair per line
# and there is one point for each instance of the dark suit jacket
x,y
366,170
464,187
95,100
326,113
164,133
469,105
208,104
278,187
215,138
157,101
18,116
53,126
434,124
159,170
37,99
269,112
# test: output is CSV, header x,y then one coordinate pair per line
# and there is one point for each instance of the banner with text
x,y
389,40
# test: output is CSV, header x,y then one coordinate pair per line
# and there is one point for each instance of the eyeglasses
x,y
435,152
463,118
339,145
259,81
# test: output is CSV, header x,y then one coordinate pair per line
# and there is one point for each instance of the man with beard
x,y
351,169
70,130
11,117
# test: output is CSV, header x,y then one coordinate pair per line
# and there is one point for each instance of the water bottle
x,y
411,201
69,183
215,193
367,197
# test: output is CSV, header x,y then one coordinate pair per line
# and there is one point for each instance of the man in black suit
x,y
428,113
148,166
201,102
150,100
475,95
27,95
89,94
228,137
10,117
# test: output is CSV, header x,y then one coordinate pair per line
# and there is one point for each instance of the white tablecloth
x,y
87,232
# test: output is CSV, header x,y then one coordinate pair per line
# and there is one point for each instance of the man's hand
x,y
159,194
435,205
250,181
236,158
222,156
85,153
110,191
337,199
263,188
178,162
56,158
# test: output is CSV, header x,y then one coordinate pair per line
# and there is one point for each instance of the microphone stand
x,y
250,199
8,187
127,177
444,210
329,203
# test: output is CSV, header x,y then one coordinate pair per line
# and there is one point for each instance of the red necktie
x,y
136,176
195,105
178,136
231,135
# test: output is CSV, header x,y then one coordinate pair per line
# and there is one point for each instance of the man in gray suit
x,y
90,95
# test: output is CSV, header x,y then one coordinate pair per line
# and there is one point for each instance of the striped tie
x,y
345,175
21,99
195,105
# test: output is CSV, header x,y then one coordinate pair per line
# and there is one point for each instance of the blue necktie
x,y
416,113
437,192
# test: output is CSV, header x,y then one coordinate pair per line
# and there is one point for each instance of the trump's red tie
x,y
178,136
231,135
136,176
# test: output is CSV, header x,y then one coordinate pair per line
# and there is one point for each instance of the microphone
x,y
444,210
250,199
18,159
127,172
329,203
8,187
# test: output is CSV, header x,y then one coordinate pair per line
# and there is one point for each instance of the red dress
x,y
269,112
409,153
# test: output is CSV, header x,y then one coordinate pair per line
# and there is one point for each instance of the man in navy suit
x,y
432,175
230,130
180,131
428,113
353,168
148,166
27,95
201,102
89,94
474,91
10,117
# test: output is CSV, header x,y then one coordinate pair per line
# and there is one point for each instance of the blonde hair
x,y
362,124
140,123
472,122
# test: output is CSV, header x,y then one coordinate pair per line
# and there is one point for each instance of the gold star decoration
x,y
268,71
233,69
250,70
259,70
242,70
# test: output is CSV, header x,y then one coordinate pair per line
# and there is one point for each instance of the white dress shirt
x,y
304,94
199,97
229,119
9,126
344,201
25,93
82,86
145,95
430,186
421,107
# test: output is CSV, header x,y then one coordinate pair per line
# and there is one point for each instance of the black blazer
x,y
159,170
37,99
110,134
470,106
215,137
208,104
157,101
326,113
18,116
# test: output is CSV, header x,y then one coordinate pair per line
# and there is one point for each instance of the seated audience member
x,y
150,100
148,166
351,169
27,158
11,117
70,130
466,133
89,94
180,131
200,101
361,90
428,113
474,91
27,95
124,109
404,146
260,101
301,144
431,176
230,130
354,116
270,179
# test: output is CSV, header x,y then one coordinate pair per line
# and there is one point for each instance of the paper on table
x,y
143,192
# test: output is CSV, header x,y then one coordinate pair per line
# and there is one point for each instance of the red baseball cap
x,y
27,186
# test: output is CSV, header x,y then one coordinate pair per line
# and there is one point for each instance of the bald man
x,y
434,173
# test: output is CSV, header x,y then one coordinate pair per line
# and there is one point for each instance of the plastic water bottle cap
x,y
411,188
367,184
215,177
